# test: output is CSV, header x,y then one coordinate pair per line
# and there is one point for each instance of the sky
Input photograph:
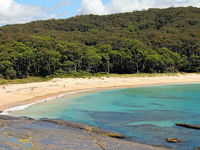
x,y
22,11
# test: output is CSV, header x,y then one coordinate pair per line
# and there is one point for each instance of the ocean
x,y
144,114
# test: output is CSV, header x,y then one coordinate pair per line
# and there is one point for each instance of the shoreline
x,y
45,91
28,103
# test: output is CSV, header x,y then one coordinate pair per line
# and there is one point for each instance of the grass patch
x,y
82,75
143,75
21,81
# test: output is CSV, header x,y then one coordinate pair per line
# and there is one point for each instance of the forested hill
x,y
157,40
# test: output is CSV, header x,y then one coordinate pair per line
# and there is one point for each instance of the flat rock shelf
x,y
27,133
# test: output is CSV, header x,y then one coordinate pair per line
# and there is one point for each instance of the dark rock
x,y
3,117
63,123
87,128
188,126
197,148
26,118
173,140
104,132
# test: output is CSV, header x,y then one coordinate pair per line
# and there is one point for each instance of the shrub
x,y
10,74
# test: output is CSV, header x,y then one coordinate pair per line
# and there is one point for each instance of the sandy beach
x,y
13,95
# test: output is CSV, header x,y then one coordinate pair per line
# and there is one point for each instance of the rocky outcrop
x,y
188,126
45,134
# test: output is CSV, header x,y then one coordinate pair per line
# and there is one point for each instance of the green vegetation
x,y
153,41
21,81
82,75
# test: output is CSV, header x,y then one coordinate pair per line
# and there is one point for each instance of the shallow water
x,y
145,114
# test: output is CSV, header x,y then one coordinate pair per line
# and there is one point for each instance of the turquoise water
x,y
145,114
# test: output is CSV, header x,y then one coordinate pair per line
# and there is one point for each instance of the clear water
x,y
146,114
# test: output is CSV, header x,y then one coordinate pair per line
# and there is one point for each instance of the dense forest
x,y
150,41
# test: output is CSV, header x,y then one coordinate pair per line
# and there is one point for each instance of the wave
x,y
22,107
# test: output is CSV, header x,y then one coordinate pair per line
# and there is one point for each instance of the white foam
x,y
22,107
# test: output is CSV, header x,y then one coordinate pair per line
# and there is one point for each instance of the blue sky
x,y
22,11
71,9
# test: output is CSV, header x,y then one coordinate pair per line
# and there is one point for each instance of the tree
x,y
104,50
154,40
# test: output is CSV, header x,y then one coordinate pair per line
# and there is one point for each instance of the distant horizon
x,y
23,11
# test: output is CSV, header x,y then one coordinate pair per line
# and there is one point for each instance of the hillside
x,y
157,40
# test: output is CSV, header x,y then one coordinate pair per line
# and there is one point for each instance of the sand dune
x,y
18,94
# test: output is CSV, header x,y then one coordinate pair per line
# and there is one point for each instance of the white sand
x,y
18,94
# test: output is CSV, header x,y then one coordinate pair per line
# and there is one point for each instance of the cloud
x,y
118,6
92,7
12,12
194,3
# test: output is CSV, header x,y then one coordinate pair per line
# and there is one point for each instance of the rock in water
x,y
188,126
173,140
